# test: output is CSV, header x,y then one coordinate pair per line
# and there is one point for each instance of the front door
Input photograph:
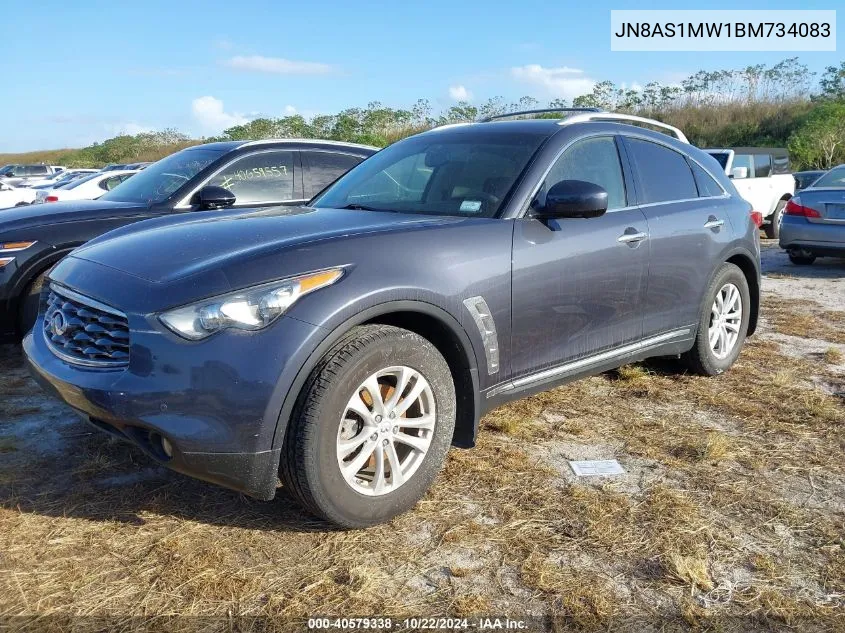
x,y
578,283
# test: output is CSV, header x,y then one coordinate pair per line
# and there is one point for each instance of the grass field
x,y
730,517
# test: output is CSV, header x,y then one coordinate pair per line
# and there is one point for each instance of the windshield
x,y
721,158
464,173
833,178
161,179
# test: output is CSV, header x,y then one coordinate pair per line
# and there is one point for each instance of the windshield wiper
x,y
360,207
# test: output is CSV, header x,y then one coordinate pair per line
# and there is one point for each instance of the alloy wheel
x,y
386,430
725,321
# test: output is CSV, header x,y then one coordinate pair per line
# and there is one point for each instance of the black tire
x,y
801,260
772,229
701,358
309,467
28,310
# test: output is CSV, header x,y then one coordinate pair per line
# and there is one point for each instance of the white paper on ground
x,y
596,467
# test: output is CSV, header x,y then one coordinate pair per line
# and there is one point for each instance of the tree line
x,y
777,105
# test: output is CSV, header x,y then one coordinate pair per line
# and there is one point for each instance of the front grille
x,y
84,331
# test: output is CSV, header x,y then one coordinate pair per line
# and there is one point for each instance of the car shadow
x,y
775,262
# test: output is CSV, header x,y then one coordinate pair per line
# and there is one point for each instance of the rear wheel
x,y
772,229
801,258
723,324
28,311
371,428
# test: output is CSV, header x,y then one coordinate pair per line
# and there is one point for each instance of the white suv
x,y
762,176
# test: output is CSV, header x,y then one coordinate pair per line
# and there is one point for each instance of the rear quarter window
x,y
663,174
707,185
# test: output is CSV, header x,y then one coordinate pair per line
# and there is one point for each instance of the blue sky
x,y
83,73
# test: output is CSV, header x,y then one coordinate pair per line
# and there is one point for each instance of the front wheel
x,y
371,428
28,310
723,324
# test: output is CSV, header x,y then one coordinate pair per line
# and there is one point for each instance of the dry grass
x,y
805,319
731,517
832,355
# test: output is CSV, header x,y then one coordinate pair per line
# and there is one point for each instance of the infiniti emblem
x,y
58,323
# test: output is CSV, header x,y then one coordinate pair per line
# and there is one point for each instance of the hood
x,y
59,212
167,249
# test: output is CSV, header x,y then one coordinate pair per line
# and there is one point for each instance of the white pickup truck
x,y
762,176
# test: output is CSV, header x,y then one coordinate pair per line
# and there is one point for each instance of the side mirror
x,y
214,197
573,199
738,173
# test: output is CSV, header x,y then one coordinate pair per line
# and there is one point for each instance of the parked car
x,y
57,179
344,345
88,187
761,175
804,179
16,175
814,221
138,165
238,174
15,196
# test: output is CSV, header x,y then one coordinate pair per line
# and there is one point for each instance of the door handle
x,y
628,238
713,222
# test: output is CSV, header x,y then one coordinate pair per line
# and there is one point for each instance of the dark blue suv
x,y
341,347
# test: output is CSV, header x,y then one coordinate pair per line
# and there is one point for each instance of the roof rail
x,y
623,118
540,111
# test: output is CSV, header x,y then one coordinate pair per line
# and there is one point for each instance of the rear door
x,y
689,226
322,167
578,284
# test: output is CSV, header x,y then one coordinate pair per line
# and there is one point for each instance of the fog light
x,y
167,447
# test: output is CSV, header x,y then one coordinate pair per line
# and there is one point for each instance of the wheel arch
x,y
34,269
746,264
432,323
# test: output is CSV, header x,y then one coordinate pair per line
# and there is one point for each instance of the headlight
x,y
249,309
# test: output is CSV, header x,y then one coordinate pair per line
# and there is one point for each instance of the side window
x,y
259,178
664,174
780,164
323,168
762,165
37,170
707,186
594,160
19,171
744,160
110,183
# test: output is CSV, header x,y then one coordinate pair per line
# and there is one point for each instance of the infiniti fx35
x,y
340,348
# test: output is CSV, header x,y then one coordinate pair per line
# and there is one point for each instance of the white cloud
x,y
209,113
460,93
277,65
564,82
290,110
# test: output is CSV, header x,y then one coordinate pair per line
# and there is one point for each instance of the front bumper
x,y
797,233
216,402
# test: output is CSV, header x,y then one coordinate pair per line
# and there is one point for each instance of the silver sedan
x,y
813,222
